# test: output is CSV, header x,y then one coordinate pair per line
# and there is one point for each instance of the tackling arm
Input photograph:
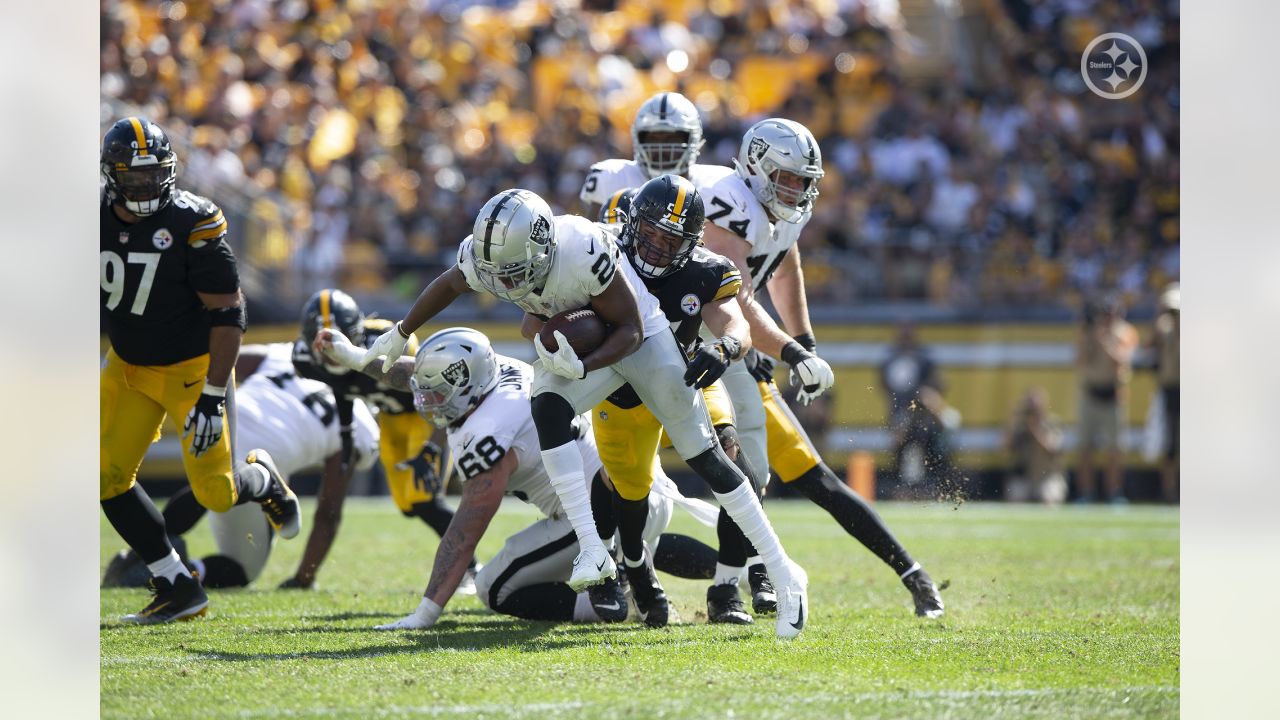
x,y
442,291
724,318
766,336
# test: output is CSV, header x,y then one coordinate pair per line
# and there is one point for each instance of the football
x,y
582,328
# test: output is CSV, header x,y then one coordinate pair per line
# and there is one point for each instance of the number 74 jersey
x,y
150,272
731,205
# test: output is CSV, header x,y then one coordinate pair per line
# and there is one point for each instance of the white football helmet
x,y
663,113
513,243
776,146
453,371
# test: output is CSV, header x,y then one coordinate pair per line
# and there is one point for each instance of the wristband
x,y
214,390
807,341
732,347
229,317
793,353
428,611
400,329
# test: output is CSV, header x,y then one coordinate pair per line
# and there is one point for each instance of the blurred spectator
x,y
1104,360
923,449
1165,343
1034,442
906,371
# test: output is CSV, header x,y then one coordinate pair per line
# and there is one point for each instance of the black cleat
x,y
764,600
608,600
724,605
279,504
181,599
650,598
924,593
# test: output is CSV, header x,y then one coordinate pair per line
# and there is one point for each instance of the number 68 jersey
x,y
150,272
586,259
503,423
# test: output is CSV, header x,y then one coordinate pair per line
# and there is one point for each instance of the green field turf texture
x,y
1051,613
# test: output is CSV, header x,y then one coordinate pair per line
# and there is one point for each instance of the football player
x,y
293,418
693,286
174,314
416,493
482,400
666,138
756,212
546,265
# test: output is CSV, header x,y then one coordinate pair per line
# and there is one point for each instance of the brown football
x,y
582,328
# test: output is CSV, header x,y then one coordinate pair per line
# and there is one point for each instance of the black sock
x,y
139,523
437,515
685,557
854,515
631,515
602,509
221,571
544,601
733,551
182,512
720,474
250,483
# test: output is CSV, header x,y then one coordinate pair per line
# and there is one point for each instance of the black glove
x,y
807,341
710,362
204,422
759,365
426,474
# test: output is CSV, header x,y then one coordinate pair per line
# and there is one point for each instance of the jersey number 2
x,y
112,277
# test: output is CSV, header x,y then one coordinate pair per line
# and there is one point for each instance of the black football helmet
x,y
332,308
664,225
139,166
616,210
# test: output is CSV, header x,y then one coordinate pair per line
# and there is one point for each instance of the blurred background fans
x,y
974,186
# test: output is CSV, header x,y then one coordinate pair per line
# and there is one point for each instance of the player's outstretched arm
x,y
733,339
324,529
618,308
786,290
335,346
481,496
766,336
442,291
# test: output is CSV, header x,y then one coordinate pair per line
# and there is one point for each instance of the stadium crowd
x,y
356,139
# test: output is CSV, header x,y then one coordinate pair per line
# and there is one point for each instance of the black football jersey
x,y
150,272
704,279
354,384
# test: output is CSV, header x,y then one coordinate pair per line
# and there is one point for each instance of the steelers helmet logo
x,y
162,239
690,304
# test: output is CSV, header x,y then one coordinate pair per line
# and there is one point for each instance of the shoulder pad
x,y
207,221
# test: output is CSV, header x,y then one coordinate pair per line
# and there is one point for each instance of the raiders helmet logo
x,y
757,149
541,232
457,374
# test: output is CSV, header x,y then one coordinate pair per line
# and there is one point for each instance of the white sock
x,y
744,507
168,567
753,561
634,563
564,468
727,575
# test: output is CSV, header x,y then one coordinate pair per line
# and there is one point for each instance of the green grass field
x,y
1050,613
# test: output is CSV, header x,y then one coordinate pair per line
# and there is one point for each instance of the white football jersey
x,y
609,176
730,204
585,262
503,423
295,419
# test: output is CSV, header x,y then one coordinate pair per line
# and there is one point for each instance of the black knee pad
x,y
553,416
715,468
221,571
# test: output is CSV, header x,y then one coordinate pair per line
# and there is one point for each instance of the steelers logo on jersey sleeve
x,y
162,239
690,304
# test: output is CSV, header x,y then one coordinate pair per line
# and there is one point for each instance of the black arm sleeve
x,y
211,268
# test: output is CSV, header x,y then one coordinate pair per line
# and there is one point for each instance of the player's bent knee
x,y
713,467
216,494
553,417
484,586
728,436
114,484
631,487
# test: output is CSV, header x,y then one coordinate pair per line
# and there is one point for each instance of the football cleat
x,y
181,599
724,605
468,584
793,602
650,598
279,504
924,593
764,600
592,567
608,601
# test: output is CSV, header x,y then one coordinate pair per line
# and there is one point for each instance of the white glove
x,y
564,361
814,376
335,346
389,346
206,420
424,617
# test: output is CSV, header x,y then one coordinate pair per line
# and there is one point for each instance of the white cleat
x,y
593,566
468,584
793,601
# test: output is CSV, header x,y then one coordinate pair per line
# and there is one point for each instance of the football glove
x,y
389,346
564,361
424,617
809,372
205,421
710,361
426,468
759,365
335,346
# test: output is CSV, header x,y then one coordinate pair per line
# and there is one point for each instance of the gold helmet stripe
x,y
681,192
142,137
611,215
324,309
